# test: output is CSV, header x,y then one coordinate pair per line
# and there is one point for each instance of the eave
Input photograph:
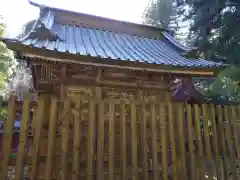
x,y
65,57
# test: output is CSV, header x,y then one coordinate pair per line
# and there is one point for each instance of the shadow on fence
x,y
117,139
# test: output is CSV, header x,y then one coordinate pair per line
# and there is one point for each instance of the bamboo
x,y
52,138
22,139
7,137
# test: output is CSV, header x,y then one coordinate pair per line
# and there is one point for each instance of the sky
x,y
17,12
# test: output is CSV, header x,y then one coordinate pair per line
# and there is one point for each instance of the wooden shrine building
x,y
78,56
68,51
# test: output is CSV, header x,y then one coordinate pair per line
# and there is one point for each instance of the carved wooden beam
x,y
91,82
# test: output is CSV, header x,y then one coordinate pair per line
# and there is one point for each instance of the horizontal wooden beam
x,y
166,71
93,82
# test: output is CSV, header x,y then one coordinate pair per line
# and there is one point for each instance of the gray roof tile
x,y
113,45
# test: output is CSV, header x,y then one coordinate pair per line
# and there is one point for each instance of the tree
x,y
6,57
162,13
6,63
213,26
15,78
217,37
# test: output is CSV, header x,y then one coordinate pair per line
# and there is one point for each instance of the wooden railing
x,y
113,139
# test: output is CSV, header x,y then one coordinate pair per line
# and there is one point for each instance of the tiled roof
x,y
110,45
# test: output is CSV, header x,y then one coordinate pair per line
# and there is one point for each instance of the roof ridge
x,y
165,32
106,18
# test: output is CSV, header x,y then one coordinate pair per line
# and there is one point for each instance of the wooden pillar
x,y
168,96
62,85
98,89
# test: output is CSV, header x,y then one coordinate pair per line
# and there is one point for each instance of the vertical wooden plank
x,y
76,140
64,138
235,130
123,142
199,141
22,139
111,141
90,145
172,140
206,137
37,136
134,142
222,140
51,138
63,86
154,142
100,141
7,136
230,142
190,141
215,140
163,134
181,136
144,144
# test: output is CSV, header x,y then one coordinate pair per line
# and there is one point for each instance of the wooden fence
x,y
111,139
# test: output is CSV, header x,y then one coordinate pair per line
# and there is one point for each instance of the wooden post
x,y
7,137
62,85
22,139
76,140
143,134
100,127
37,136
123,142
51,138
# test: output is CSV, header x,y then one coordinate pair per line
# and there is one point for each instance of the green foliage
x,y
214,30
162,13
226,86
214,27
6,63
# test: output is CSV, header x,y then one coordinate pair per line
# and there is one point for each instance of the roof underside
x,y
87,41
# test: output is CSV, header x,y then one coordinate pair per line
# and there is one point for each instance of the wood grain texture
x,y
51,138
7,137
22,139
37,137
134,143
172,140
90,143
76,140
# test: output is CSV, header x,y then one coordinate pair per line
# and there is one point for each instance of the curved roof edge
x,y
165,32
42,6
171,39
